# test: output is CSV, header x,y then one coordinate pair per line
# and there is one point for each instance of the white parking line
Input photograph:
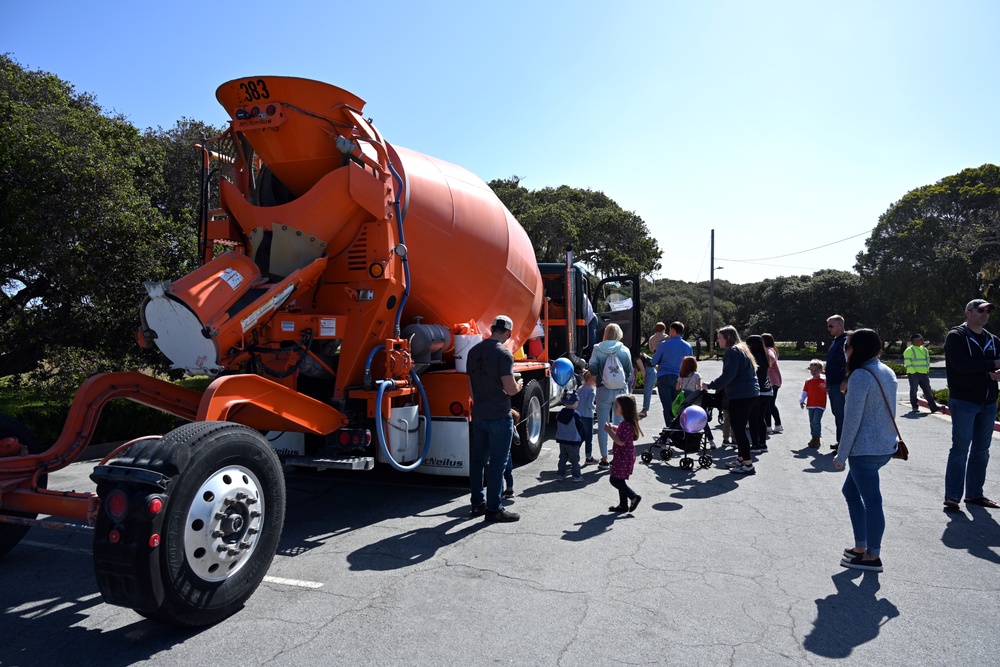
x,y
292,582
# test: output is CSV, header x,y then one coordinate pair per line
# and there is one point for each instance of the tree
x,y
84,220
605,237
932,251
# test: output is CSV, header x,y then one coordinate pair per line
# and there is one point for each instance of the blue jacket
x,y
569,427
868,423
738,376
836,362
601,352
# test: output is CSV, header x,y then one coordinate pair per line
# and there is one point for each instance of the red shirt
x,y
815,391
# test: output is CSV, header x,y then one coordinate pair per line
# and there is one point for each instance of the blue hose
x,y
380,430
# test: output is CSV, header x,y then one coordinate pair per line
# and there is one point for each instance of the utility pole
x,y
711,301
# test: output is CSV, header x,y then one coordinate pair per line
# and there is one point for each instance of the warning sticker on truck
x,y
232,276
327,327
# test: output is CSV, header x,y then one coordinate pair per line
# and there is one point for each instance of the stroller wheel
x,y
646,456
705,460
666,454
687,463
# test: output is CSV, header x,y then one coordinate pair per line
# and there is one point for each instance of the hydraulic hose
x,y
402,241
380,430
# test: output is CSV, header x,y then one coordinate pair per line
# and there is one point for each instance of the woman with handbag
x,y
868,441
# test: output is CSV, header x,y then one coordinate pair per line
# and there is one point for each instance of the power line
x,y
760,259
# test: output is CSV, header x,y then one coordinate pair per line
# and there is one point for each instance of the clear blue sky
x,y
783,125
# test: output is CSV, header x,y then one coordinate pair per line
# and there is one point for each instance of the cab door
x,y
616,299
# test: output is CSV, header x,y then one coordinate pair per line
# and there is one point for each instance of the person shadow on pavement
x,y
850,617
979,535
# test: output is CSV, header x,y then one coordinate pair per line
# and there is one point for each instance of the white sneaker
x,y
770,430
778,429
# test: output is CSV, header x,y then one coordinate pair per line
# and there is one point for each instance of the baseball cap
x,y
503,322
979,303
916,337
570,397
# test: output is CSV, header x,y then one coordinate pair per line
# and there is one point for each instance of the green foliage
x,y
605,237
86,215
932,251
898,369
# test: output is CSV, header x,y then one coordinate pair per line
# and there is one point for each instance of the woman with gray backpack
x,y
611,364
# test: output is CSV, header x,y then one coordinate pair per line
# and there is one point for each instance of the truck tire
x,y
11,534
222,517
534,417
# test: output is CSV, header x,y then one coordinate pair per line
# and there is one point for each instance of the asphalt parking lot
x,y
386,568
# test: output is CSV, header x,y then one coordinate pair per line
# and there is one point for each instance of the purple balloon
x,y
693,419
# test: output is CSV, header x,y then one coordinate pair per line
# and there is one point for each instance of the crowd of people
x,y
858,387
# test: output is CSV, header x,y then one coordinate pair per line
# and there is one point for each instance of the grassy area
x,y
120,419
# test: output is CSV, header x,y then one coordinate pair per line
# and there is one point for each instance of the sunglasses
x,y
830,326
987,309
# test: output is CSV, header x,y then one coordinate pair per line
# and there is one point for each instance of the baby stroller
x,y
674,437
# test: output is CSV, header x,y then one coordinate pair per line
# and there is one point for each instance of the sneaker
x,y
578,478
936,408
503,516
735,463
851,553
478,510
745,469
770,430
757,449
590,460
561,476
618,508
859,563
778,429
635,503
509,493
727,441
603,465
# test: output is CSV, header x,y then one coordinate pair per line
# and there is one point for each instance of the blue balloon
x,y
562,371
693,419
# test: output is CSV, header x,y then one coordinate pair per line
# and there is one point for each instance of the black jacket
x,y
968,360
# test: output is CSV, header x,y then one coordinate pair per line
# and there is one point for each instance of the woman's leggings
x,y
739,419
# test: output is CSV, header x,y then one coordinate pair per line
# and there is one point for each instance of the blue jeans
x,y
815,421
508,474
666,387
588,435
571,454
605,413
836,406
490,444
864,500
648,383
971,424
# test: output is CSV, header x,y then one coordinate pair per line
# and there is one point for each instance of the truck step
x,y
338,463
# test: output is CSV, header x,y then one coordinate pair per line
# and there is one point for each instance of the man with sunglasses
x,y
972,358
836,373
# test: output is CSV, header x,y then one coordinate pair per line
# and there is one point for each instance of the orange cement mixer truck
x,y
342,281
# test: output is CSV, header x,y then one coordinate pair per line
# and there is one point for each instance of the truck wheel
x,y
534,417
11,534
221,521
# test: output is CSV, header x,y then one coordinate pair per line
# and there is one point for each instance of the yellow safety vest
x,y
917,360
